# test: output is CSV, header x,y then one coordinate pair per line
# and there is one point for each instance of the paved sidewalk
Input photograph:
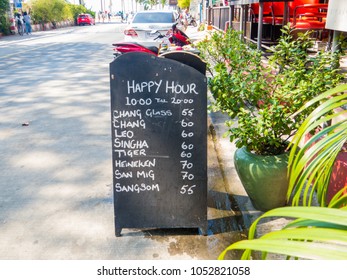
x,y
34,35
51,217
56,187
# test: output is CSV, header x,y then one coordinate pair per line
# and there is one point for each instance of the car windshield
x,y
154,18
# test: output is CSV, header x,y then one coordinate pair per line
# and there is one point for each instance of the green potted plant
x,y
317,232
260,97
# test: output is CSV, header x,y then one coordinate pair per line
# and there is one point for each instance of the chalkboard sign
x,y
187,58
159,143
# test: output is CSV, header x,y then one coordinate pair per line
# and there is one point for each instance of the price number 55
x,y
186,189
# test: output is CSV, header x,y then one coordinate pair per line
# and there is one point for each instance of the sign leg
x,y
118,228
203,229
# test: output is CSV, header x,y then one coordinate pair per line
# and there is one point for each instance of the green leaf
x,y
310,165
299,249
324,228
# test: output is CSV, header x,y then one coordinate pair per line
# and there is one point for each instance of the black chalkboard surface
x,y
187,58
159,143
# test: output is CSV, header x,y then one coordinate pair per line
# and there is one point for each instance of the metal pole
x,y
336,40
242,21
285,13
260,25
200,11
242,17
231,14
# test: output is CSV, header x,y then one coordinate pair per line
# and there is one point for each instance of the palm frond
x,y
311,164
317,233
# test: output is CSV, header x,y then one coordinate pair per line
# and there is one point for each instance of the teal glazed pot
x,y
263,177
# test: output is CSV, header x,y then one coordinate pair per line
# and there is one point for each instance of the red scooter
x,y
176,37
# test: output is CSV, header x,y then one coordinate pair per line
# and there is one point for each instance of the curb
x,y
225,153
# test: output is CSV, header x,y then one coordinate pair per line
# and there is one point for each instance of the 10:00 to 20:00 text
x,y
210,270
148,101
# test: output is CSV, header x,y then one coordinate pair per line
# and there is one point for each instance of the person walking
x,y
27,20
99,15
185,13
19,23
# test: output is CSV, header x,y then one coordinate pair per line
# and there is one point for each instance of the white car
x,y
145,27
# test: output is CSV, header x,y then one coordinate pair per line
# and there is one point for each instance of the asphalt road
x,y
55,157
55,151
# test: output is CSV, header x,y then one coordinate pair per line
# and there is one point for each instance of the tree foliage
x,y
183,4
43,11
4,6
150,3
262,98
162,2
4,22
79,9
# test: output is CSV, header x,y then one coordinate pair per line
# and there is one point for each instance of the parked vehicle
x,y
140,29
174,38
191,20
84,19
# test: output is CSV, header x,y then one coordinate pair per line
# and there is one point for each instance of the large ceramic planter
x,y
263,177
